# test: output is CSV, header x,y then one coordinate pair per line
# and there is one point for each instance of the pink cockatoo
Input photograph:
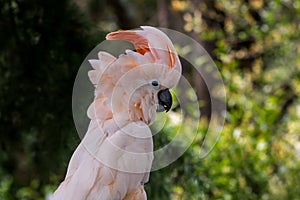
x,y
114,159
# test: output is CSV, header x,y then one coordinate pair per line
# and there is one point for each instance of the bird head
x,y
136,84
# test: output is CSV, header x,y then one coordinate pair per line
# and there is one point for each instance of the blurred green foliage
x,y
255,44
256,49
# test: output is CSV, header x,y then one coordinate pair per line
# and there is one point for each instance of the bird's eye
x,y
154,83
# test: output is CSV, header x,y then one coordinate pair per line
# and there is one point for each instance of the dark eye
x,y
155,83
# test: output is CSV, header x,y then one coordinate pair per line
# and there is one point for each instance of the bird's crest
x,y
148,40
153,49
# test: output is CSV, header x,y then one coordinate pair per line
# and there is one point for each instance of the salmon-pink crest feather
x,y
146,40
140,42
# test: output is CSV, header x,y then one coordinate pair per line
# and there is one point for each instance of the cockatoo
x,y
113,160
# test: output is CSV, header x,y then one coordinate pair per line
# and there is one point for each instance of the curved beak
x,y
164,100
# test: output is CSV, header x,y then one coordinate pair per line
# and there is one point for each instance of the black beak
x,y
164,100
